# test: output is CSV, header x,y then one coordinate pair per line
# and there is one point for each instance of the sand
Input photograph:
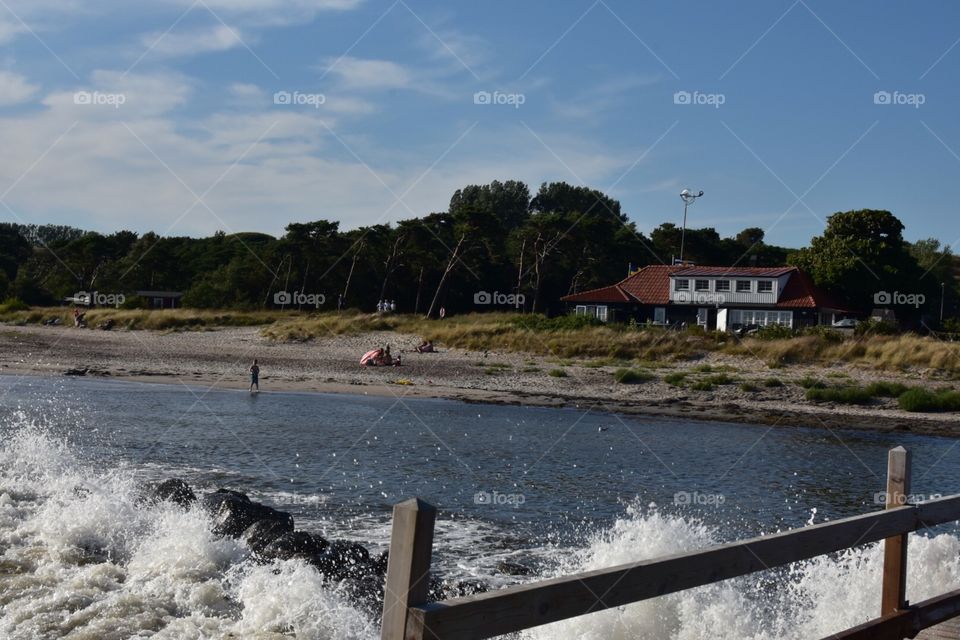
x,y
220,359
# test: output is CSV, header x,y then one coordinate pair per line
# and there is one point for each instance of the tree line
x,y
496,237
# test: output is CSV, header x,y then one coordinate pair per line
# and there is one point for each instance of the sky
x,y
185,117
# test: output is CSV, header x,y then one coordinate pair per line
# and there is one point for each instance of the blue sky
x,y
163,116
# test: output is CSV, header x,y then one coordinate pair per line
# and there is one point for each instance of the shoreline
x,y
219,358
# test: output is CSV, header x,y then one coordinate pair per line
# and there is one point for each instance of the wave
x,y
809,599
82,556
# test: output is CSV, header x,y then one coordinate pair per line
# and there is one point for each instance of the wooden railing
x,y
408,616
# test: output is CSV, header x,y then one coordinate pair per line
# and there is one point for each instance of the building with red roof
x,y
723,298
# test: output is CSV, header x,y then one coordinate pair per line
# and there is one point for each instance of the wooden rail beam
x,y
894,594
408,566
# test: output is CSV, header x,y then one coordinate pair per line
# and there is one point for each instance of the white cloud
x,y
121,96
356,73
218,37
14,88
9,29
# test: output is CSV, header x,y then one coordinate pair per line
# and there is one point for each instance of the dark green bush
x,y
843,395
885,389
676,379
774,332
632,376
808,382
924,400
773,382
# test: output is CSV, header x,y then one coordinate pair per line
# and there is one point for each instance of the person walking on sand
x,y
254,376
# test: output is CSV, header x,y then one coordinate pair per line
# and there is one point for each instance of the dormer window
x,y
701,285
744,286
765,286
681,285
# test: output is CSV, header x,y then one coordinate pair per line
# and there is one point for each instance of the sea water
x,y
559,491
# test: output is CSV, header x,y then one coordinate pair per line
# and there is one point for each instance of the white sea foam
x,y
81,556
806,600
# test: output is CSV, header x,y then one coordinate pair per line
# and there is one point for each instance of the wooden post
x,y
894,596
408,567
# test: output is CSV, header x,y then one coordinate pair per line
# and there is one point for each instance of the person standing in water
x,y
254,376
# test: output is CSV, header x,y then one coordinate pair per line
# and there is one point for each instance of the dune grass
x,y
168,319
562,338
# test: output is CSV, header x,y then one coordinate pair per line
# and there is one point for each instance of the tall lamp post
x,y
942,286
688,198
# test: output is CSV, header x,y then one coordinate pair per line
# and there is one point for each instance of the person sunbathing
x,y
425,347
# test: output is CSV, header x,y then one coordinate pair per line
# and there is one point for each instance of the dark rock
x,y
343,560
294,544
263,532
75,372
176,491
463,588
513,569
378,565
233,512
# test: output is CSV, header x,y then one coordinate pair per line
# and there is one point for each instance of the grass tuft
x,y
632,376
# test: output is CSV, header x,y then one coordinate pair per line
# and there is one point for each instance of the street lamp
x,y
688,198
942,285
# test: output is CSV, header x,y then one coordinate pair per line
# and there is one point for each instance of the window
x,y
722,285
681,285
660,315
599,311
765,286
701,285
744,286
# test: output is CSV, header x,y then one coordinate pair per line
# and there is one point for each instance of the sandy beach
x,y
220,359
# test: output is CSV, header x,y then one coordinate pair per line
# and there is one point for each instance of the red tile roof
x,y
802,293
734,272
613,293
651,285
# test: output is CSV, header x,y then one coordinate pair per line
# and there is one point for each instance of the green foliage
x,y
825,333
808,382
632,376
749,387
883,389
843,395
861,252
702,385
873,327
923,400
569,322
774,332
13,304
557,373
773,382
676,378
719,379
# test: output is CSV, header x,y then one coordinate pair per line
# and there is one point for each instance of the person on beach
x,y
254,376
425,347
